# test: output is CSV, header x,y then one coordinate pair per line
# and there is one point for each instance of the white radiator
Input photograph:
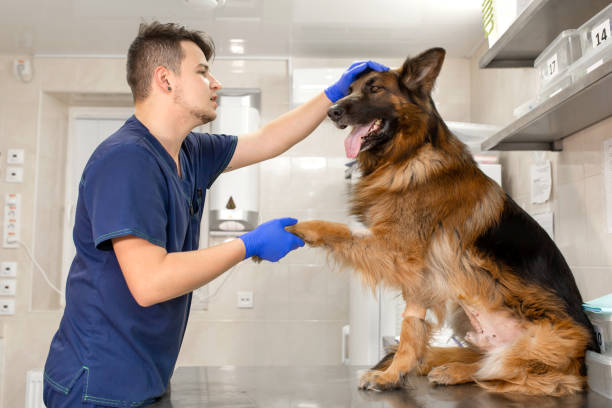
x,y
34,390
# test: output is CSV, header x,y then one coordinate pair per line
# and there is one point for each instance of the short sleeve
x,y
125,193
216,151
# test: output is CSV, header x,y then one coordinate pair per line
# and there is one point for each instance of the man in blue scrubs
x,y
137,223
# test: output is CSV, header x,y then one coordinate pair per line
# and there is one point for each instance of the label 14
x,y
600,34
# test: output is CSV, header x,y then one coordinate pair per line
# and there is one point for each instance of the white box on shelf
x,y
554,61
602,323
555,86
599,370
590,62
595,33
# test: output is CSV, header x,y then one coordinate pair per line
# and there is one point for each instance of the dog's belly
x,y
491,329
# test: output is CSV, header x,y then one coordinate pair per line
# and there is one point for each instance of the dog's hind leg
x,y
440,356
545,360
389,372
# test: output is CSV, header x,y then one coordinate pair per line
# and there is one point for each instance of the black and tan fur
x,y
444,233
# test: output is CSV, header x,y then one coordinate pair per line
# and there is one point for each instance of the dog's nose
x,y
335,112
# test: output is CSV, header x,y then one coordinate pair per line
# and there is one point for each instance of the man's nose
x,y
335,112
214,84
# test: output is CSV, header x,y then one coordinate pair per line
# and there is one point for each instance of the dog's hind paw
x,y
377,381
449,374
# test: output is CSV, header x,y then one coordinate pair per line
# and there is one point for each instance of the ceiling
x,y
279,28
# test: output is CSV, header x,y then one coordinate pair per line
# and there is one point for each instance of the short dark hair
x,y
160,44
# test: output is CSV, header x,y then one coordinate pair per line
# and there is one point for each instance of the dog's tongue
x,y
352,143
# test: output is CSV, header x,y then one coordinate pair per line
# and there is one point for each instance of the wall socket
x,y
15,156
8,269
14,174
245,300
12,206
8,287
7,306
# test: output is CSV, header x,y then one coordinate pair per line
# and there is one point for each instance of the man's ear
x,y
162,79
422,70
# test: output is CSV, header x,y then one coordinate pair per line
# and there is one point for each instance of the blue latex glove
x,y
340,89
270,240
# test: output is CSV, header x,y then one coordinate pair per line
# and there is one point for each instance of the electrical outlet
x,y
245,300
8,269
8,287
7,306
14,174
15,156
11,220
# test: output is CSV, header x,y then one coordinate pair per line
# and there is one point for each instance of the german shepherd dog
x,y
451,240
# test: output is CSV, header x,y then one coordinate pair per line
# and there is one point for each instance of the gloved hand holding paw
x,y
270,240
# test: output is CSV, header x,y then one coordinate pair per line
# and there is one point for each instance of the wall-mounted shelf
x,y
535,28
584,103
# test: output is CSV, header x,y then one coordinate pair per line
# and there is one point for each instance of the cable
x,y
42,271
228,274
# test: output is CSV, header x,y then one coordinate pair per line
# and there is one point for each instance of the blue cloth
x,y
130,186
599,305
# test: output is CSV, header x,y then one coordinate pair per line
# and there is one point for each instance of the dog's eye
x,y
350,90
375,88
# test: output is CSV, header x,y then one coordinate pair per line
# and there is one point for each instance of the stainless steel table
x,y
334,387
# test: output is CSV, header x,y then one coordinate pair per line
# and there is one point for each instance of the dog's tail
x,y
383,364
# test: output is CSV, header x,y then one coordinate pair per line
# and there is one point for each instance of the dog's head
x,y
391,112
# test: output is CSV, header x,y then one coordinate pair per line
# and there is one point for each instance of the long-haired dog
x,y
445,234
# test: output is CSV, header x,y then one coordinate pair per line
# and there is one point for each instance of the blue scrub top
x,y
130,186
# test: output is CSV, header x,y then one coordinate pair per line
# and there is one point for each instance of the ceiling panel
x,y
313,28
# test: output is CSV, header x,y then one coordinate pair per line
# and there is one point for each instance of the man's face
x,y
196,89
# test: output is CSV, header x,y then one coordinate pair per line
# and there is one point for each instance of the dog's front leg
x,y
413,342
321,233
370,253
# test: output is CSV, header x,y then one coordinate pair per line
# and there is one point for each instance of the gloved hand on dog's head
x,y
340,88
270,240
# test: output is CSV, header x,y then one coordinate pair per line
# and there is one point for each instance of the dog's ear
x,y
422,71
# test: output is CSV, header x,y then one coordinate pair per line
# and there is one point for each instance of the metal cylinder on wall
x,y
234,197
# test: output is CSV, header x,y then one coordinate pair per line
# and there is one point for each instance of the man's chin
x,y
205,117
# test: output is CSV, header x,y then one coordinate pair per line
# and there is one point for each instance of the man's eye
x,y
202,72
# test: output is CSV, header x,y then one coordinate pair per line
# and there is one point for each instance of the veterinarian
x,y
136,230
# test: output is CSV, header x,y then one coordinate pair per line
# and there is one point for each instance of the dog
x,y
450,239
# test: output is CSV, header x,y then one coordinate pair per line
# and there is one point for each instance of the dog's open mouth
x,y
362,137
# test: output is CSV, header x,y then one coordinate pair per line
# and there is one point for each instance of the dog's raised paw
x,y
307,231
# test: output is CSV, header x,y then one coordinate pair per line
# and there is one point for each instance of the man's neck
x,y
168,127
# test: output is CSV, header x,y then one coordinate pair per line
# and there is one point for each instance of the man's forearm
x,y
190,270
292,127
165,276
